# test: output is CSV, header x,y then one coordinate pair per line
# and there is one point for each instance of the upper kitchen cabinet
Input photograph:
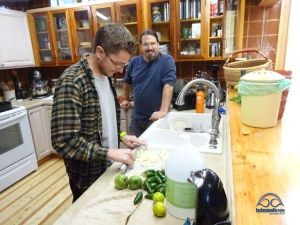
x,y
60,22
207,29
224,29
15,42
103,14
41,38
213,33
129,14
81,19
160,19
189,29
52,40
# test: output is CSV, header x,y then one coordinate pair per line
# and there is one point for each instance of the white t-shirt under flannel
x,y
108,112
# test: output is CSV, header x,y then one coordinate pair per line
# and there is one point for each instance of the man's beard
x,y
150,57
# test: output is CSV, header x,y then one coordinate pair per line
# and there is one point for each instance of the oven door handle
x,y
14,118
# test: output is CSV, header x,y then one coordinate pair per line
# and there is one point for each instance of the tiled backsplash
x,y
261,28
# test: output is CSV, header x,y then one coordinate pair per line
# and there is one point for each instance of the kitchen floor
x,y
39,198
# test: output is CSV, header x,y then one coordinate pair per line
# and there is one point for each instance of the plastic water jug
x,y
180,194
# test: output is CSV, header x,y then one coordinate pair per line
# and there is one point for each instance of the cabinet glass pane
x,y
216,28
160,17
129,18
43,37
62,37
103,16
230,25
190,27
83,32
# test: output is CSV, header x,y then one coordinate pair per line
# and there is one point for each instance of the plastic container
x,y
261,96
200,101
180,194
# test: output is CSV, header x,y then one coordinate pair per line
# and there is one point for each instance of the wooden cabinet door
x,y
103,14
82,30
214,26
48,113
38,126
39,24
189,29
15,41
160,18
233,23
60,22
129,14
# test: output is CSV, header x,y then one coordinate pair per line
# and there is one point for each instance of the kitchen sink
x,y
167,130
187,122
170,138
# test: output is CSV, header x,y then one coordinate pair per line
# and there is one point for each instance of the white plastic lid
x,y
262,76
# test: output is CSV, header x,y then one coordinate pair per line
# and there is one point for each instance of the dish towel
x,y
109,209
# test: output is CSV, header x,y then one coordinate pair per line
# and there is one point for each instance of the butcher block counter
x,y
265,163
266,160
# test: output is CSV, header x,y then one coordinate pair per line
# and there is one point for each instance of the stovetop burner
x,y
14,109
4,106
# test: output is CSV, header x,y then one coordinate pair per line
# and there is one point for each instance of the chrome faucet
x,y
216,117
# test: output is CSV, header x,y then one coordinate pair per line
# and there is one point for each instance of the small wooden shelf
x,y
130,24
191,21
62,31
42,32
267,3
83,28
161,23
213,18
190,39
215,38
45,49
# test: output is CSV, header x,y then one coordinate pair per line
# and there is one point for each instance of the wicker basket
x,y
233,70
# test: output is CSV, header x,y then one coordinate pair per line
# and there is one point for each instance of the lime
x,y
121,181
158,197
135,182
159,209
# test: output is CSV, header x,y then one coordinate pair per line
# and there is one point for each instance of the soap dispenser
x,y
211,200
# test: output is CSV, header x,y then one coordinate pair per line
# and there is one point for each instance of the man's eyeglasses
x,y
118,65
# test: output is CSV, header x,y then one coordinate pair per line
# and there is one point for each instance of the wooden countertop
x,y
266,161
263,161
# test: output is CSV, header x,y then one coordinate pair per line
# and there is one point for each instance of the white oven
x,y
17,154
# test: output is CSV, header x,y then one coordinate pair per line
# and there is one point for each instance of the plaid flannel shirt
x,y
76,124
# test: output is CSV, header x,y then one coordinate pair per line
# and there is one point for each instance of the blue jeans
x,y
137,128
